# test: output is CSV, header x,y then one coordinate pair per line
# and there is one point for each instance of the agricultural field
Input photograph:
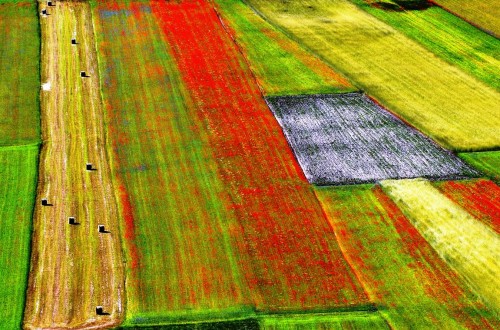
x,y
482,13
74,268
399,73
349,139
248,164
448,37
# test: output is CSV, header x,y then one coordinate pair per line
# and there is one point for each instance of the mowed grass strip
x,y
482,13
18,175
74,268
20,73
488,162
180,262
406,279
442,101
448,37
286,249
468,246
281,66
480,198
348,139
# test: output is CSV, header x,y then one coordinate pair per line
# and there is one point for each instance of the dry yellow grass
x,y
466,244
73,267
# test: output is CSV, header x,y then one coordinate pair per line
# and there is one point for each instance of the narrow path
x,y
74,268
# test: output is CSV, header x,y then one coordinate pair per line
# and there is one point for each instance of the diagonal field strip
x,y
73,267
466,244
453,108
348,139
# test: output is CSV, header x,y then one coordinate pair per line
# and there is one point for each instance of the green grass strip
x,y
18,177
487,162
448,37
20,73
282,67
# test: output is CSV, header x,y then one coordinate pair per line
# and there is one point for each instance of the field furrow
x,y
466,244
402,273
74,268
286,248
431,94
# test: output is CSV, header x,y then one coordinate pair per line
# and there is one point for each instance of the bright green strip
x,y
448,37
487,162
18,177
450,106
467,245
282,67
401,273
20,74
483,13
324,321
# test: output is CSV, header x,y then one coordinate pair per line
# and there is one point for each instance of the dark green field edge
x,y
487,162
447,36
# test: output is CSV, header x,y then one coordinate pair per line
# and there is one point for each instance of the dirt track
x,y
74,268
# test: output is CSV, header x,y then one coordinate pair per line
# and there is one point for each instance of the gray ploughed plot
x,y
348,139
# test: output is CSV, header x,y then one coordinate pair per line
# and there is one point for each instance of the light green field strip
x,y
18,176
360,320
19,73
467,245
487,162
455,109
281,66
448,37
483,13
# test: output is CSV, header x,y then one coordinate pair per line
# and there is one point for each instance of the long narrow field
x,y
480,198
487,162
74,268
18,169
281,66
286,249
348,139
448,37
483,13
402,273
434,96
19,68
467,245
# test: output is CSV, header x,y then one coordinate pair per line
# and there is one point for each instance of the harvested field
x,y
448,37
432,95
487,162
19,68
482,13
18,168
74,268
403,275
281,66
480,198
347,139
467,245
287,252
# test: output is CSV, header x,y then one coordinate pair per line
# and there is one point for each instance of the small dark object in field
x,y
45,202
101,229
89,167
83,74
49,3
44,12
72,221
73,41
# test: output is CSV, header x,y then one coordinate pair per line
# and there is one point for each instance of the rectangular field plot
x,y
402,273
18,168
347,139
447,104
19,73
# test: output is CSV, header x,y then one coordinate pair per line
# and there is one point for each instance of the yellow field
x,y
73,267
466,244
483,13
455,109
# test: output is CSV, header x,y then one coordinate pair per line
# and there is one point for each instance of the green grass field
x,y
488,162
352,320
18,176
20,74
448,37
281,66
483,13
434,96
